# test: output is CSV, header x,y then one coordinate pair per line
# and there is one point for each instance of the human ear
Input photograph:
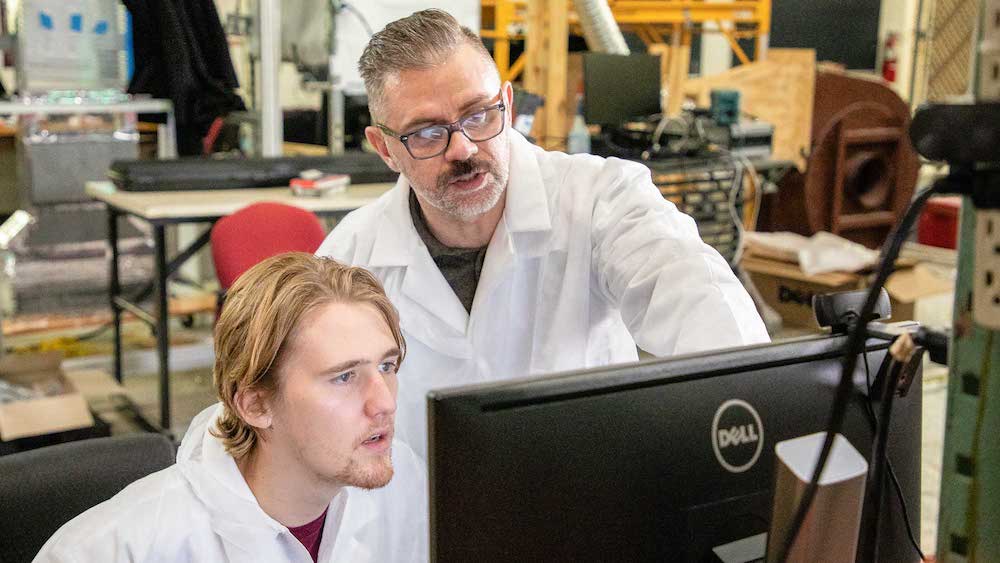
x,y
377,139
254,407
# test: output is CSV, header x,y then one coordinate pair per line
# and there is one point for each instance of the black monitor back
x,y
619,463
617,88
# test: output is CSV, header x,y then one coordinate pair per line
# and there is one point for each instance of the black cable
x,y
906,511
869,536
873,421
852,349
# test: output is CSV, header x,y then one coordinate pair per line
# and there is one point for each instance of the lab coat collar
x,y
248,533
525,228
527,207
397,244
396,237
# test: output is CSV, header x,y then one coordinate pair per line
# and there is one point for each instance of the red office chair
x,y
260,231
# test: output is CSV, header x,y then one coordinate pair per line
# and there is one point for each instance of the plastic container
x,y
938,224
313,183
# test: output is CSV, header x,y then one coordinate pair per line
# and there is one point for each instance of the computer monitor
x,y
654,461
617,88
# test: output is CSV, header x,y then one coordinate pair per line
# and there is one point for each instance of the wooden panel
x,y
778,90
545,73
679,68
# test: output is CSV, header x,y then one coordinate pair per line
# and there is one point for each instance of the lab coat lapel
x,y
248,543
424,298
526,225
352,541
424,286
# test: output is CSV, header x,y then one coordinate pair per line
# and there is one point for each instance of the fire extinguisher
x,y
889,58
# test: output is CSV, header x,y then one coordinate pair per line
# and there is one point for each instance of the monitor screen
x,y
654,461
617,88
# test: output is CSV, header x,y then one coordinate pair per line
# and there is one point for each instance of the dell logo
x,y
737,435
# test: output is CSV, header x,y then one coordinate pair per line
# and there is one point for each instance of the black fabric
x,y
181,54
461,267
40,490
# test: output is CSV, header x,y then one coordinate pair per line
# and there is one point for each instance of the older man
x,y
505,260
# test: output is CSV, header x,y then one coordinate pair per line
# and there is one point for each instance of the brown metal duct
x,y
861,172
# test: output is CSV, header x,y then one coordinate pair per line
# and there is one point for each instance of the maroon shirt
x,y
310,535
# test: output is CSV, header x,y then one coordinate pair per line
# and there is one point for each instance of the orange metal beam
x,y
734,45
650,19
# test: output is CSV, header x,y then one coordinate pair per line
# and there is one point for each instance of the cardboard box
x,y
907,286
61,407
789,290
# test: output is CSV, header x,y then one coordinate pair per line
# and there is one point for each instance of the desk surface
x,y
218,203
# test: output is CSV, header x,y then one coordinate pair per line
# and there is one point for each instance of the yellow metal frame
x,y
504,21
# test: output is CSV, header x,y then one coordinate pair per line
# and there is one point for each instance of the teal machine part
x,y
725,106
969,525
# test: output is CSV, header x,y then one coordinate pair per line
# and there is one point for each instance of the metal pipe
x,y
918,39
600,28
335,97
121,303
269,30
336,120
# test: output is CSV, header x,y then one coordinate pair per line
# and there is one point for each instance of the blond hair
x,y
418,41
261,316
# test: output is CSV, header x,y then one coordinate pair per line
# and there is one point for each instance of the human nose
x,y
460,147
380,398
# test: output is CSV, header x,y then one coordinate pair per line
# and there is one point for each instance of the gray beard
x,y
467,211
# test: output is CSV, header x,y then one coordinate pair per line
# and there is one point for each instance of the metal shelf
x,y
136,106
166,139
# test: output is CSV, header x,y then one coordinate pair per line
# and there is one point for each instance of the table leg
x,y
114,290
162,323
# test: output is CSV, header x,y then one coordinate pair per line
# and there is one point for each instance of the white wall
x,y
900,16
351,40
716,55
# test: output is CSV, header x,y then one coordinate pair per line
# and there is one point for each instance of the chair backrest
x,y
40,490
260,231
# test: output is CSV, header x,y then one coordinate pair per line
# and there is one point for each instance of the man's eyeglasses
x,y
432,141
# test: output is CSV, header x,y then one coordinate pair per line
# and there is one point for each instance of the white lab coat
x,y
201,509
587,261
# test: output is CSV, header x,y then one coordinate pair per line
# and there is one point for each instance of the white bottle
x,y
578,140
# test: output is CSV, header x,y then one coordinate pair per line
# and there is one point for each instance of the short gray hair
x,y
418,41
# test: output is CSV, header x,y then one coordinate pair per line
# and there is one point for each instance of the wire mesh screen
x,y
950,51
710,191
